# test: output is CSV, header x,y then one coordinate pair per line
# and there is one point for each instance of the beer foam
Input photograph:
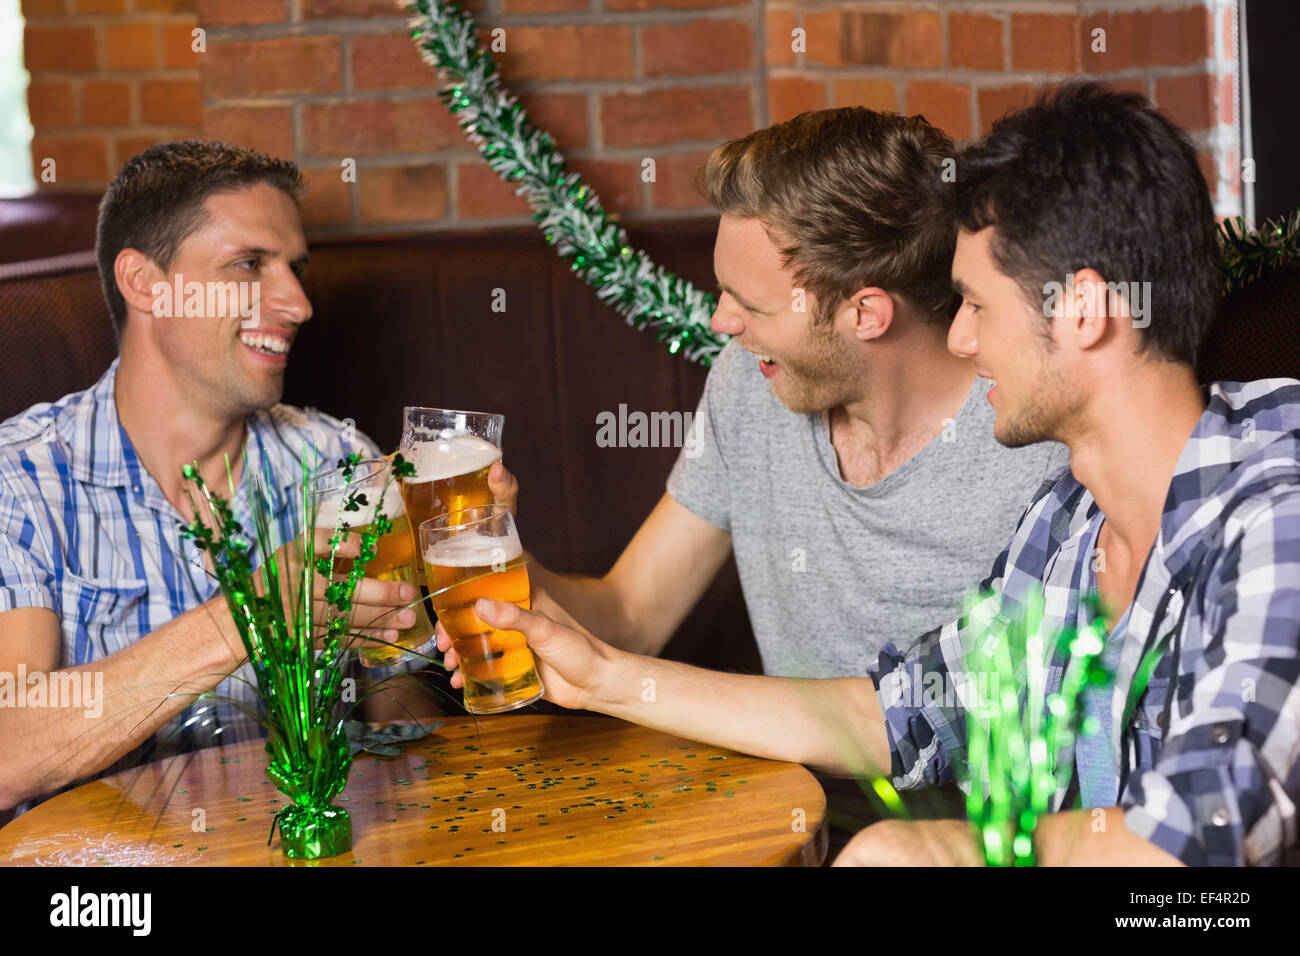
x,y
468,550
457,454
329,503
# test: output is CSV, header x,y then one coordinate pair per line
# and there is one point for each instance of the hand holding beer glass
x,y
394,558
470,554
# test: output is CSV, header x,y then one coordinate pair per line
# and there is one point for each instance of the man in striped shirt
x,y
1180,512
98,590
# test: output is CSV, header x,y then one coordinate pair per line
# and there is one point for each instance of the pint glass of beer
x,y
452,452
471,554
394,558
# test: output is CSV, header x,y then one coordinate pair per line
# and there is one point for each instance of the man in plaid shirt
x,y
1088,268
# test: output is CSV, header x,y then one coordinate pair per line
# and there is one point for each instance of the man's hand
x,y
504,487
912,843
570,661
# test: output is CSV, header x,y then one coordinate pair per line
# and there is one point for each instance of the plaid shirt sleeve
x,y
1224,786
24,580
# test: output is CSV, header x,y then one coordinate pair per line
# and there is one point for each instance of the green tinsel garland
x,y
567,210
1247,254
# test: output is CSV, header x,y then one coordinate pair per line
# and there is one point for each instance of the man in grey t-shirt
x,y
832,572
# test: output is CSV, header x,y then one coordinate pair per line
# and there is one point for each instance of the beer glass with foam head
x,y
471,554
452,452
395,558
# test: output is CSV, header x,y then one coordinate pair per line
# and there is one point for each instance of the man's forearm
x,y
595,604
45,748
833,725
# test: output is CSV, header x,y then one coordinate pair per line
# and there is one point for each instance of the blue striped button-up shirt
x,y
86,531
1208,767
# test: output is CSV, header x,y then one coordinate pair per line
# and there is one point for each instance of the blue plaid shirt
x,y
86,531
1208,769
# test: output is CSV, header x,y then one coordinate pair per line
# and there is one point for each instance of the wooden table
x,y
505,790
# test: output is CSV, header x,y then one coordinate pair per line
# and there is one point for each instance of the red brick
x,y
975,41
1187,100
328,9
402,193
1137,40
1044,42
584,52
44,8
171,102
875,94
542,6
1205,159
788,96
944,105
659,116
563,115
99,6
777,31
616,181
891,39
996,102
224,12
388,62
130,46
59,48
178,46
676,176
670,4
823,32
281,65
482,194
700,46
77,159
265,128
377,127
106,103
165,6
1227,49
51,103
328,199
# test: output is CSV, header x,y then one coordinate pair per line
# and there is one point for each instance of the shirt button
x,y
1220,817
1160,721
1220,734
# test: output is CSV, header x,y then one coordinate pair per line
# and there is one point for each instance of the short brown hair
x,y
849,193
156,201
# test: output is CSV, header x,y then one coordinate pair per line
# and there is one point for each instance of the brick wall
x,y
615,81
108,79
964,63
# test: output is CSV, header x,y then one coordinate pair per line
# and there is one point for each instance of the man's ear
x,y
142,283
1090,316
874,312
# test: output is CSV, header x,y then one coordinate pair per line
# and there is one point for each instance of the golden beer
x,y
394,558
451,474
462,566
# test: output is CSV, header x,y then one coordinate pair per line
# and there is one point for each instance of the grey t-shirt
x,y
830,572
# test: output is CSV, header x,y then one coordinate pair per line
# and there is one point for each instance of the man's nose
x,y
962,338
287,301
726,317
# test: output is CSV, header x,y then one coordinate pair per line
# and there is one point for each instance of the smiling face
x,y
252,235
1011,343
810,367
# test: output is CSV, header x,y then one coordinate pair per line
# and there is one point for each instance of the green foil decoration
x,y
1246,254
566,209
299,674
1020,739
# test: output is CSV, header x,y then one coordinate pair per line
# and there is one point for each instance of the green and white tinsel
x,y
567,210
